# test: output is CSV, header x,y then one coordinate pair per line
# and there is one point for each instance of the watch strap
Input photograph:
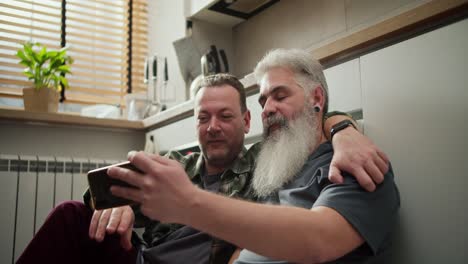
x,y
340,126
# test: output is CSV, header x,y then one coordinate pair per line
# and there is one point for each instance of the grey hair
x,y
307,70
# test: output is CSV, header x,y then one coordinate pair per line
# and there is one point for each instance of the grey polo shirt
x,y
372,214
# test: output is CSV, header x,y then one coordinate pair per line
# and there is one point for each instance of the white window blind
x,y
139,44
99,39
22,21
97,34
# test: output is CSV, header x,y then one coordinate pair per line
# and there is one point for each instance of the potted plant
x,y
47,69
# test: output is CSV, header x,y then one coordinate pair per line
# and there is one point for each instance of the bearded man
x,y
304,217
284,150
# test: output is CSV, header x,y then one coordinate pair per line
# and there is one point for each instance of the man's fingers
x,y
383,156
160,159
126,240
126,175
372,169
114,220
125,227
334,174
126,221
127,193
145,162
364,179
94,223
101,229
382,162
131,153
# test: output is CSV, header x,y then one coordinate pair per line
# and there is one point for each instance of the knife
x,y
166,80
155,79
146,71
166,74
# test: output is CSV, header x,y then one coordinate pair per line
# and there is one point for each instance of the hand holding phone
x,y
100,183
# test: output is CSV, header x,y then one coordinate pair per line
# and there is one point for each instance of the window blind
x,y
96,32
139,48
22,21
98,36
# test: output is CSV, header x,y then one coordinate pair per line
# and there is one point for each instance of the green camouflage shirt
x,y
235,182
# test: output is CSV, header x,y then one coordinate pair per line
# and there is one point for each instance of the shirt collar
x,y
241,165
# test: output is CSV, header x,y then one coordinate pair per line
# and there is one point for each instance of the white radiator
x,y
30,186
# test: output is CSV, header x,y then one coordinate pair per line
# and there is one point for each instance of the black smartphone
x,y
100,183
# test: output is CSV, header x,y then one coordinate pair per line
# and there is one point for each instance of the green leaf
x,y
28,74
42,55
26,63
20,54
55,64
64,81
35,57
27,47
53,54
64,69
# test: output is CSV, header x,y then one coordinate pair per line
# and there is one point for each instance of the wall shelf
x,y
68,119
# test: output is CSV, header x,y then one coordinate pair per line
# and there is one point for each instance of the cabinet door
x,y
415,103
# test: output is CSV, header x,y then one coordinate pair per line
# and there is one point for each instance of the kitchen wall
x,y
307,24
303,24
166,23
22,138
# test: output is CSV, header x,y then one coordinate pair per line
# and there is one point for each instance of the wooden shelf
x,y
68,119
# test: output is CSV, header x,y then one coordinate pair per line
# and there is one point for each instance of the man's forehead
x,y
217,98
274,77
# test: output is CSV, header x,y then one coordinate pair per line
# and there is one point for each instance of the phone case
x,y
100,183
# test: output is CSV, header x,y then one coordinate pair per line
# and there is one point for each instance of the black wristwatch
x,y
340,126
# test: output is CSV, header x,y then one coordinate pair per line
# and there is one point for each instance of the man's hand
x,y
109,221
356,154
163,189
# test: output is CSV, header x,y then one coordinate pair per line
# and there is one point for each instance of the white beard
x,y
284,153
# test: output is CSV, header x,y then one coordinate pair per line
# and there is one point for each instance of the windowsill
x,y
18,114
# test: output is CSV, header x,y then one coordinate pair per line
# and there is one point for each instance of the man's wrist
x,y
341,126
332,119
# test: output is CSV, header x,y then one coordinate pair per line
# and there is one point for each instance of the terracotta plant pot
x,y
42,100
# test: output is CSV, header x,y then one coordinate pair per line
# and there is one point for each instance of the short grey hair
x,y
307,70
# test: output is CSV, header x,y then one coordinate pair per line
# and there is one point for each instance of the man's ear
x,y
246,118
317,97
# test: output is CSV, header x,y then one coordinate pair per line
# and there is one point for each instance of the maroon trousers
x,y
63,238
